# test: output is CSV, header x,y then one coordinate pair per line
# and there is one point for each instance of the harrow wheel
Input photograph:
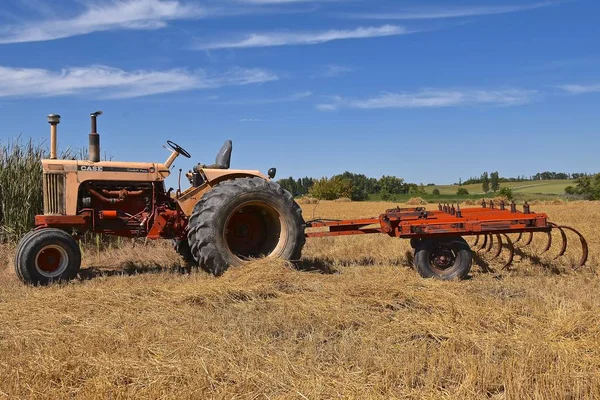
x,y
46,256
443,258
242,219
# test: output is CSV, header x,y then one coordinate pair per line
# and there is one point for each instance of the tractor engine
x,y
129,209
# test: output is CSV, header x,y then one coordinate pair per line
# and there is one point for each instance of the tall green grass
x,y
21,196
21,184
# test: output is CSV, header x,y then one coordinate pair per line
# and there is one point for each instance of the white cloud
x,y
304,38
433,98
453,12
334,71
112,15
580,89
270,100
116,83
250,120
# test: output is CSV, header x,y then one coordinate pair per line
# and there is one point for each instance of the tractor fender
x,y
190,197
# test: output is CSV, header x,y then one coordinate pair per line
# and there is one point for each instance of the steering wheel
x,y
178,149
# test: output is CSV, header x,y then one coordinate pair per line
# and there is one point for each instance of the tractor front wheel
x,y
443,258
242,219
47,255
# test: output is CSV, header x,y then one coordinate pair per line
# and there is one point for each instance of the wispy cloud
x,y
116,83
333,71
452,12
250,120
430,98
112,15
269,100
303,38
580,89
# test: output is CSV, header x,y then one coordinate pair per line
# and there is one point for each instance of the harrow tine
x,y
499,250
549,244
519,238
563,235
584,246
489,248
511,249
484,244
529,239
476,241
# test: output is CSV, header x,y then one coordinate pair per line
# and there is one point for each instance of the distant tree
x,y
586,186
459,181
436,192
462,191
361,185
385,195
485,182
290,185
494,181
392,184
506,192
331,189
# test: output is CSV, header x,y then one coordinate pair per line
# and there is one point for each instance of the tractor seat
x,y
223,159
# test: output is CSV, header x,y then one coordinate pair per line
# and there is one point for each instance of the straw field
x,y
358,323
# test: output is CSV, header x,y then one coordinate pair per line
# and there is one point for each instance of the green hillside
x,y
556,187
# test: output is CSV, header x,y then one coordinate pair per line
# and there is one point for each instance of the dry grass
x,y
133,327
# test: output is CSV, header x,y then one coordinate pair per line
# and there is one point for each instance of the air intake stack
x,y
53,120
94,148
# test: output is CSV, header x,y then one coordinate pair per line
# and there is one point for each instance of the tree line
x,y
357,187
540,176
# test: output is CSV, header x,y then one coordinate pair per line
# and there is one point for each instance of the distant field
x,y
530,187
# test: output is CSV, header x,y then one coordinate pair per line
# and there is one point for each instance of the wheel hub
x,y
442,258
51,261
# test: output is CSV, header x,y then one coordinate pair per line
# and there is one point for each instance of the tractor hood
x,y
107,170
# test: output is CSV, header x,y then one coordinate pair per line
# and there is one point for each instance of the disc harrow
x,y
491,224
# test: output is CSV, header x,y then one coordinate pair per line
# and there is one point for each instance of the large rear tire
x,y
46,256
242,219
182,247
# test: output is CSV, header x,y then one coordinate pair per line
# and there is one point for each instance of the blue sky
x,y
428,91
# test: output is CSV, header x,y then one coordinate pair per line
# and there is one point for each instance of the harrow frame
x,y
487,221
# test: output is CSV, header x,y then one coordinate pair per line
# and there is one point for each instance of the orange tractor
x,y
228,217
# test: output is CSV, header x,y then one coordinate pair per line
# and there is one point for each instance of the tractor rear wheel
x,y
443,258
47,255
182,247
242,219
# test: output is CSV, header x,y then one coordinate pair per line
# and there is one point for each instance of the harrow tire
x,y
245,218
46,256
443,258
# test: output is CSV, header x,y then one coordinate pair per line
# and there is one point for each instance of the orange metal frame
x,y
447,221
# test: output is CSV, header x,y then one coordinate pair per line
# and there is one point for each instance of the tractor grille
x,y
54,194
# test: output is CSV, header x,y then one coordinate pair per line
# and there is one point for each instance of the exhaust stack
x,y
94,147
53,120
